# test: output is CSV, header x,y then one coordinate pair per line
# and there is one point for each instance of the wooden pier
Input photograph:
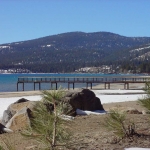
x,y
107,81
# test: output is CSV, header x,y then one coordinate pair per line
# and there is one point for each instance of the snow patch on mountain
x,y
139,49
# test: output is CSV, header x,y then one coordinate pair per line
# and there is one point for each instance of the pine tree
x,y
46,125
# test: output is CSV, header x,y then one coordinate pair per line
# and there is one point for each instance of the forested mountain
x,y
69,51
139,59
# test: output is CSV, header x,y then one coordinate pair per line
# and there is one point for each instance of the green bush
x,y
116,122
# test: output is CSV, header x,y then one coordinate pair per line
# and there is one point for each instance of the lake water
x,y
8,82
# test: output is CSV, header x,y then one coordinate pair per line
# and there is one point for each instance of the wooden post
x,y
73,85
23,87
124,86
146,86
39,86
108,85
51,85
105,85
128,86
56,85
91,85
17,86
34,86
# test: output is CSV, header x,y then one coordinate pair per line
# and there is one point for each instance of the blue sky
x,y
29,19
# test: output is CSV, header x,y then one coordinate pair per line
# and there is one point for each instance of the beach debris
x,y
66,117
144,112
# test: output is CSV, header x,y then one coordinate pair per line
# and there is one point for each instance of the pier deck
x,y
107,81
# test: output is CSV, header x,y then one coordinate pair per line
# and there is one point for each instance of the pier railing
x,y
88,80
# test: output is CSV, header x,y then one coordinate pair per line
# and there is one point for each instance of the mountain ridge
x,y
78,32
70,50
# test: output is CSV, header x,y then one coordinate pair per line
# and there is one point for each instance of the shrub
x,y
116,122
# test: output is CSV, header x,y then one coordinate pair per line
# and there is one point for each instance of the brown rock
x,y
17,115
13,108
20,120
83,99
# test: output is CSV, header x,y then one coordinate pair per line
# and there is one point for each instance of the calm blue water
x,y
8,82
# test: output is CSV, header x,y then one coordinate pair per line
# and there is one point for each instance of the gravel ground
x,y
89,132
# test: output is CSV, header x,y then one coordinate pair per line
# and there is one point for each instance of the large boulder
x,y
82,99
18,114
20,120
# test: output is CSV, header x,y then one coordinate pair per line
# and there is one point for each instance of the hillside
x,y
69,51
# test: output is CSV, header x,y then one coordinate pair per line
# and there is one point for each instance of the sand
x,y
19,94
133,104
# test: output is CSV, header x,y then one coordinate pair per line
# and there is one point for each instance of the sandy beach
x,y
116,95
19,94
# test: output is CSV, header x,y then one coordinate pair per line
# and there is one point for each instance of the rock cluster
x,y
18,114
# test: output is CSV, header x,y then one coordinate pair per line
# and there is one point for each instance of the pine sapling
x,y
46,125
